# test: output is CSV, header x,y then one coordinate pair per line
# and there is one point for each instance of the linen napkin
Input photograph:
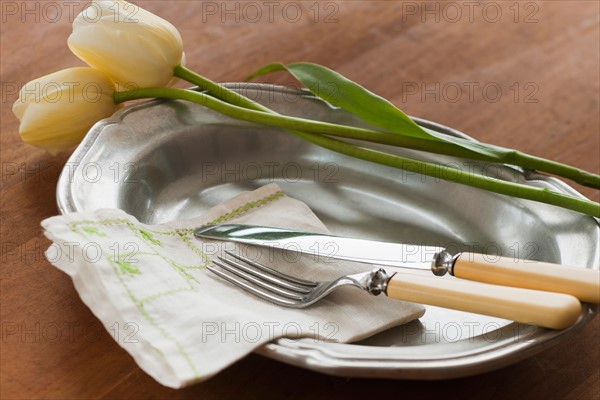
x,y
181,323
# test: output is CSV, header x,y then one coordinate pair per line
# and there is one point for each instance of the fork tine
x,y
233,268
266,276
257,292
271,271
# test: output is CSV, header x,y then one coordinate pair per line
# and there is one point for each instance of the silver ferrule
x,y
442,263
377,281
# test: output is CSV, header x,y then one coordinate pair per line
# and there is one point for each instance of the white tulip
x,y
131,45
57,110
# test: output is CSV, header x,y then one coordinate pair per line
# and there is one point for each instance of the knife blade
x,y
582,283
325,246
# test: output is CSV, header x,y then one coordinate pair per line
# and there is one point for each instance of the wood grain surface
x,y
527,75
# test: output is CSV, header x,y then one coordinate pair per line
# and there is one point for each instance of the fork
x,y
546,309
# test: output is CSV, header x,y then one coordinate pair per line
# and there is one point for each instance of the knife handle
x,y
582,283
547,309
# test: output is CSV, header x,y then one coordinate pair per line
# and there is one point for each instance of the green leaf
x,y
344,93
373,109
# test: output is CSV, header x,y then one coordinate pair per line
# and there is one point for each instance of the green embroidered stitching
x,y
140,305
186,276
94,231
184,234
182,270
145,236
127,268
247,207
166,334
148,236
112,222
164,294
186,240
106,222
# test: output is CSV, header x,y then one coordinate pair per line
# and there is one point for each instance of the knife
x,y
582,283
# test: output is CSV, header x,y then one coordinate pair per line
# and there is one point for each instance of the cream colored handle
x,y
582,283
547,309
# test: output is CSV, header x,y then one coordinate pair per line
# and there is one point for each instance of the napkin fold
x,y
181,323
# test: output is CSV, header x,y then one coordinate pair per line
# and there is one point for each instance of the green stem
x,y
425,168
514,157
218,91
505,156
456,175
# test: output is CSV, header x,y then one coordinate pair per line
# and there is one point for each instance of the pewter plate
x,y
167,160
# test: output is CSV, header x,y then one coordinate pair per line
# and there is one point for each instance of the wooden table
x,y
527,75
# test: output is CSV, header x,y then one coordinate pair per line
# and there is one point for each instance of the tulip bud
x,y
134,47
57,110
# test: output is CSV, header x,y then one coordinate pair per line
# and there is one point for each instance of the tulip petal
x,y
57,110
131,45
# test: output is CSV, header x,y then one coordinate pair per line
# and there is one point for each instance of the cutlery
x,y
582,283
546,309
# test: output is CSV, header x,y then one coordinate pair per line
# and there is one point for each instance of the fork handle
x,y
547,309
582,283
